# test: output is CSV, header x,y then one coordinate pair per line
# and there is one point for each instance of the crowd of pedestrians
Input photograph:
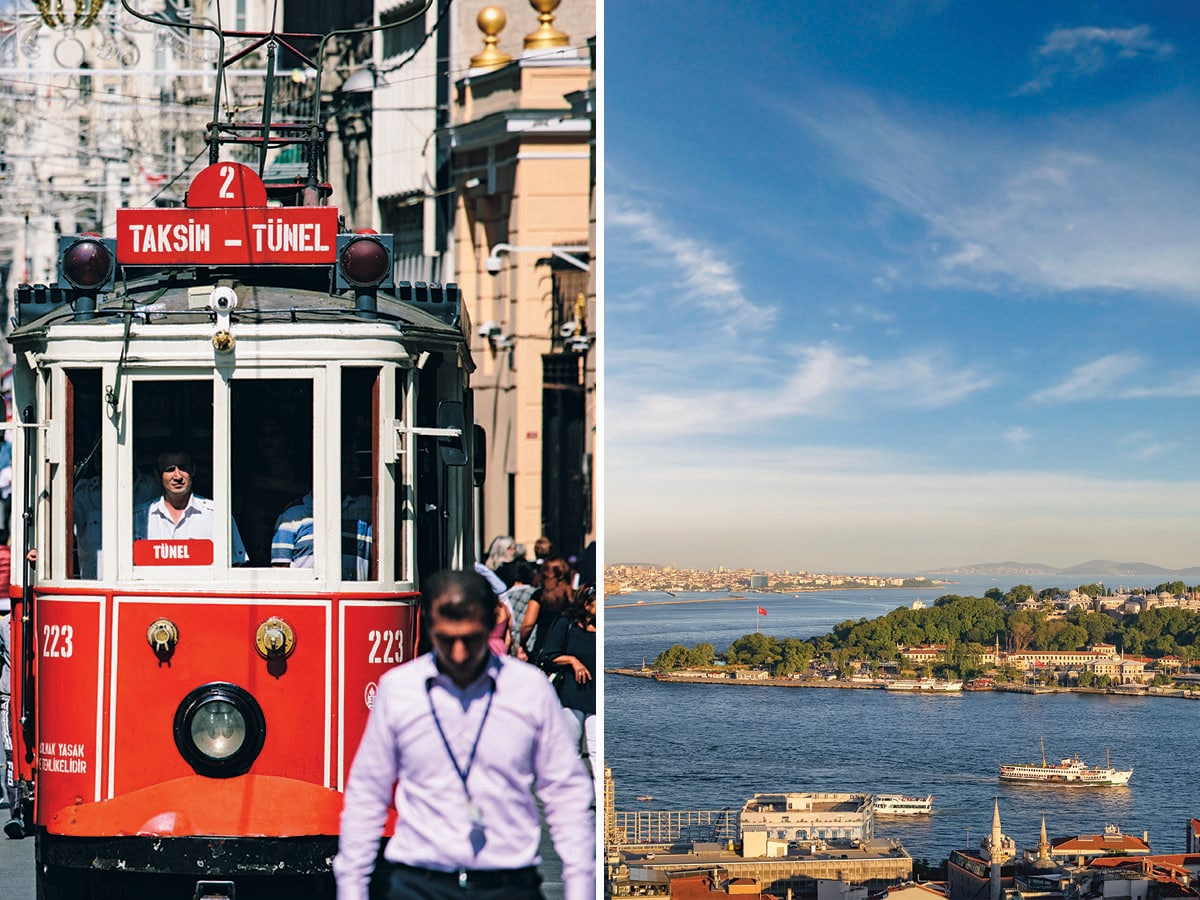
x,y
546,615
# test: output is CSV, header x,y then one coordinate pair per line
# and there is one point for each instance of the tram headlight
x,y
219,730
87,262
364,260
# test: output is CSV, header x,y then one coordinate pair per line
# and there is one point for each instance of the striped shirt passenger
x,y
292,544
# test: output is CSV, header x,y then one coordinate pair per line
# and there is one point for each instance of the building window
x,y
406,222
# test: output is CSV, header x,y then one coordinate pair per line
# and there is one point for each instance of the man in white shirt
x,y
460,739
179,514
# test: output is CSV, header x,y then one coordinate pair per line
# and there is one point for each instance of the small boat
x,y
645,798
980,684
900,805
1070,771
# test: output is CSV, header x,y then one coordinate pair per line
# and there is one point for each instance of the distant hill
x,y
1093,569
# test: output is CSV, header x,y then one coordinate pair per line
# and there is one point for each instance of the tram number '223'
x,y
391,644
57,641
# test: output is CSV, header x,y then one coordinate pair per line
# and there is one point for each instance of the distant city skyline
x,y
899,287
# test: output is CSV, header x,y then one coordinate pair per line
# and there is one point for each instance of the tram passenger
x,y
292,544
178,513
459,739
89,531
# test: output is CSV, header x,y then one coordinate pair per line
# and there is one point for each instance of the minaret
x,y
1000,849
1043,842
994,887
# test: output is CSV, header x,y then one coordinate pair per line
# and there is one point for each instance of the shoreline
x,y
836,684
758,595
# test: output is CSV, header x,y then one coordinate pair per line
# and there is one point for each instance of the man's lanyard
x,y
463,773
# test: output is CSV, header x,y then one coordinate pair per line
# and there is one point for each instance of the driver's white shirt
x,y
152,521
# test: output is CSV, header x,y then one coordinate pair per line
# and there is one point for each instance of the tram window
x,y
173,448
359,437
430,505
84,463
401,528
271,443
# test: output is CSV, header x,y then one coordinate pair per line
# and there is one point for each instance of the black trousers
x,y
410,883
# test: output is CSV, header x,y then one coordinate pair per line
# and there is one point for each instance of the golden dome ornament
x,y
547,35
491,21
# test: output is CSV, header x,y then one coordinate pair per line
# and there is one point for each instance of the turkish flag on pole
x,y
761,611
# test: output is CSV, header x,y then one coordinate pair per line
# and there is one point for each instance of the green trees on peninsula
x,y
966,627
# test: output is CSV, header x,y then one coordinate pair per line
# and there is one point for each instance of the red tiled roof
x,y
1100,843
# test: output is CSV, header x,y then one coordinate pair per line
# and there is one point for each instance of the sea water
x,y
695,746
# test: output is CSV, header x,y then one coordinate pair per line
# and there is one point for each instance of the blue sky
x,y
895,286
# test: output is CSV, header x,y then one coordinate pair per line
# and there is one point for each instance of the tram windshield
x,y
255,472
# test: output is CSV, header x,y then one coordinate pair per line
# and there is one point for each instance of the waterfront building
x,y
771,823
874,866
1082,849
925,653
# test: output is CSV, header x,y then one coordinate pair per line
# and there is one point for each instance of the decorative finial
x,y
546,35
491,22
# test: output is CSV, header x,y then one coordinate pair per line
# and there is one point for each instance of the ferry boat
x,y
925,684
1070,771
900,805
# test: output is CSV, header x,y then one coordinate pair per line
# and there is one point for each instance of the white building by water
x,y
770,822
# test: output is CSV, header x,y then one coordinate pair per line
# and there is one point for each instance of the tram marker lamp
x,y
364,261
87,262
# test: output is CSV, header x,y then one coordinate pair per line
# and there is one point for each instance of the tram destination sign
x,y
226,222
246,236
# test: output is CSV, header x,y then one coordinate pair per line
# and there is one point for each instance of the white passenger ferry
x,y
1070,771
900,805
925,684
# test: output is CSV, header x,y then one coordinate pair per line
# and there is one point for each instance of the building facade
x,y
524,173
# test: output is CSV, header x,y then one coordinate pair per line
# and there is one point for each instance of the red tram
x,y
186,711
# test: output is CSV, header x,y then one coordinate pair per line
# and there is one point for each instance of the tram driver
x,y
178,513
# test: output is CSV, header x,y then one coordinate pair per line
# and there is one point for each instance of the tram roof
x,y
268,295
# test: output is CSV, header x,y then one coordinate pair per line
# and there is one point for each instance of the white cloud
x,y
1018,436
691,273
1175,384
822,380
1087,50
1096,380
1102,379
1110,202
